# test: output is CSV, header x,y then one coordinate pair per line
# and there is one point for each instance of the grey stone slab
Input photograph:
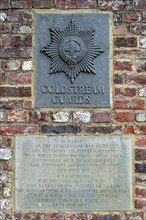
x,y
73,173
72,60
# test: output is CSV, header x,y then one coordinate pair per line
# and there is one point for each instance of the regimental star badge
x,y
72,51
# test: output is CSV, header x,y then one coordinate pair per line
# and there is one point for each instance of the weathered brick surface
x,y
19,78
15,92
123,65
15,53
136,79
19,129
139,4
140,154
10,104
4,4
125,42
124,116
35,117
125,91
118,79
102,117
120,30
11,65
138,29
11,40
133,104
104,129
125,53
115,5
64,4
131,17
106,216
135,215
140,204
141,193
141,142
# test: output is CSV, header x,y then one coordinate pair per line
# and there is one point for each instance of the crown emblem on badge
x,y
72,51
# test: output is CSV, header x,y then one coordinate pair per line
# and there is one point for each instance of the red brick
x,y
15,92
138,29
115,5
79,216
129,53
27,104
21,3
4,4
140,129
120,30
17,116
55,216
65,4
140,142
140,204
129,129
134,215
123,65
4,28
26,16
35,117
19,129
140,5
43,3
106,217
12,16
125,91
133,104
10,104
11,41
131,17
103,129
140,154
17,216
20,78
15,53
102,117
124,116
125,42
136,79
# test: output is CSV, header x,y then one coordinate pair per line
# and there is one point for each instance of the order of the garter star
x,y
72,51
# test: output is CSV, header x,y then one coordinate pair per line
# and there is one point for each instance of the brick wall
x,y
128,115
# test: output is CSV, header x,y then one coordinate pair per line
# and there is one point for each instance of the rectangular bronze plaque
x,y
73,173
72,59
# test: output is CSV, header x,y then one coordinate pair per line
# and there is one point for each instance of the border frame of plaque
x,y
76,11
131,199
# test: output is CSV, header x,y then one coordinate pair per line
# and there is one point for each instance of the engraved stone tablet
x,y
73,173
72,60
